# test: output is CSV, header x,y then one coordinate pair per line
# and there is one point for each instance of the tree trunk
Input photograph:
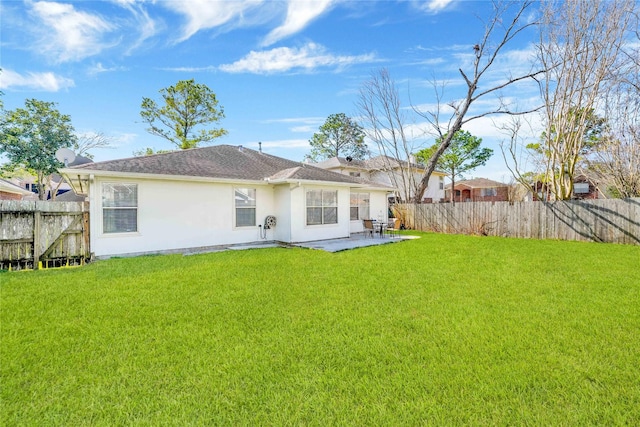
x,y
453,194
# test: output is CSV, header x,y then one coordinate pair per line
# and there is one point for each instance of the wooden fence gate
x,y
38,234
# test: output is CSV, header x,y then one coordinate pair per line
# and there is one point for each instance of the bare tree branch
x,y
483,61
385,124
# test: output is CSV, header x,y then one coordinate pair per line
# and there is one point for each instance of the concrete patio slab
x,y
353,242
358,240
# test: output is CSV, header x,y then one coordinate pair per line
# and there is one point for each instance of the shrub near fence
x,y
35,234
604,220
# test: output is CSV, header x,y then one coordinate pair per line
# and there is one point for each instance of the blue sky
x,y
278,68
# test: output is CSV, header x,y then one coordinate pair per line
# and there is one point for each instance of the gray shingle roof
x,y
222,162
342,161
371,164
479,183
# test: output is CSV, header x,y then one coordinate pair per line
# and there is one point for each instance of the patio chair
x,y
393,226
368,227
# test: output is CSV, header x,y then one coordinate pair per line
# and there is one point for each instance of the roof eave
x,y
374,188
310,182
163,177
75,176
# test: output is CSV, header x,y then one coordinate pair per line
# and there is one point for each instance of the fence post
x,y
86,236
37,221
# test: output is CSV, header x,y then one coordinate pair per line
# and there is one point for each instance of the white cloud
x,y
209,68
48,82
284,143
300,124
431,61
226,15
299,15
118,140
206,14
68,34
435,6
98,68
304,129
283,59
145,26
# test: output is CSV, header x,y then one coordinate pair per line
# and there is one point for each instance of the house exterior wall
x,y
378,208
475,195
301,232
177,215
282,206
5,195
433,193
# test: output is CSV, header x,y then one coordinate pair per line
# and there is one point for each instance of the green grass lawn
x,y
442,330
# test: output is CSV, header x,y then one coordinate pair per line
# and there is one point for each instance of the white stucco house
x,y
388,171
219,195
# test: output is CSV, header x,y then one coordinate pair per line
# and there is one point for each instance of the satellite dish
x,y
65,156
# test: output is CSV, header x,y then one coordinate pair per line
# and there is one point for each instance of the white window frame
x,y
250,194
126,206
489,192
325,206
581,188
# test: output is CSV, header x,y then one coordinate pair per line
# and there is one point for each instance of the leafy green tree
x,y
148,151
30,137
339,135
463,154
570,138
185,106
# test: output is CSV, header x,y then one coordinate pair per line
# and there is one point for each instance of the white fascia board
x,y
307,182
14,189
159,177
374,188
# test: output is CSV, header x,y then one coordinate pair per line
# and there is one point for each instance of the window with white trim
x,y
245,203
322,207
489,192
360,206
441,186
581,188
119,208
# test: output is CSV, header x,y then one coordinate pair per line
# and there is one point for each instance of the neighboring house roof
x,y
478,183
9,187
386,162
79,160
225,162
335,162
374,163
581,177
70,196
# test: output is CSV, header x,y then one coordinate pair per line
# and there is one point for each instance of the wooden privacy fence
x,y
37,234
608,220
